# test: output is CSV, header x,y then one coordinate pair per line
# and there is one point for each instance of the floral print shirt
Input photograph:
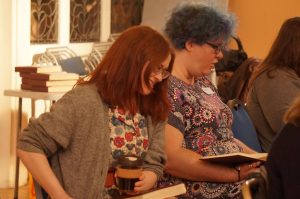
x,y
129,136
205,122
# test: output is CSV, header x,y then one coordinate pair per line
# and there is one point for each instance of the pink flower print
x,y
207,116
196,121
119,142
204,141
128,136
188,110
121,111
145,143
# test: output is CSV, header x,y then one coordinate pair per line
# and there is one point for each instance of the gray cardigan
x,y
268,100
75,136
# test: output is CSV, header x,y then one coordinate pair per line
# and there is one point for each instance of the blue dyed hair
x,y
199,24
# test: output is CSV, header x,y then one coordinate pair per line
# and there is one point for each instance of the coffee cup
x,y
128,171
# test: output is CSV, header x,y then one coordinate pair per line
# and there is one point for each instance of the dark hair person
x,y
119,109
276,83
199,123
283,159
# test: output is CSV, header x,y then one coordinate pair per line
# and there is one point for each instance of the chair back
x,y
242,126
255,187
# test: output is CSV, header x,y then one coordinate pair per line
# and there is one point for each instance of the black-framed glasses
x,y
165,73
217,48
162,71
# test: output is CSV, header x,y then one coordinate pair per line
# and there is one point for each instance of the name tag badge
x,y
208,90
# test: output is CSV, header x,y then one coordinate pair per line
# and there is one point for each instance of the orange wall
x,y
259,22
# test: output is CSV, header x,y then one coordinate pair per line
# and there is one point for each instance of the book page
x,y
162,193
236,158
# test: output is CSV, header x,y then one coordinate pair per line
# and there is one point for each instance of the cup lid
x,y
130,161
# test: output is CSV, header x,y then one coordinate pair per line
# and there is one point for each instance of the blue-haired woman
x,y
199,123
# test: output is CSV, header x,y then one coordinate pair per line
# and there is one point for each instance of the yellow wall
x,y
259,22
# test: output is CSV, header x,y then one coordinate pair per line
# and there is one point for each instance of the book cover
x,y
51,88
48,83
25,80
37,69
54,76
236,158
25,75
26,86
161,193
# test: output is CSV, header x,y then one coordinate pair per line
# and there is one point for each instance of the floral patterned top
x,y
129,136
205,122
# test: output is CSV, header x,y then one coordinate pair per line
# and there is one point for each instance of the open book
x,y
162,193
236,158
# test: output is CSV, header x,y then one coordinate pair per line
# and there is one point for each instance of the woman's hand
x,y
147,181
245,169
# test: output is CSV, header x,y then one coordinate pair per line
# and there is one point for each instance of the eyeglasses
x,y
217,48
163,72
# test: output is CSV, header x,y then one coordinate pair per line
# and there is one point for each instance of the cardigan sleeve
x,y
156,158
51,130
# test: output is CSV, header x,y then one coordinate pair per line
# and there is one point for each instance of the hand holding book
x,y
242,163
245,169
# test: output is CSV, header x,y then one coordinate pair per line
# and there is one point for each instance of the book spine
x,y
26,86
40,76
35,69
25,69
25,81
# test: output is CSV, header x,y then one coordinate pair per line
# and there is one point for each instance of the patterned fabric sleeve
x,y
175,119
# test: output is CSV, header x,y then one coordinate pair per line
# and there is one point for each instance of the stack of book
x,y
46,78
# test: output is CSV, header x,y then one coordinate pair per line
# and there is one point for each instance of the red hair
x,y
118,76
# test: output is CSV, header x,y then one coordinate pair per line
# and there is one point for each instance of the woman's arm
x,y
156,157
40,169
42,138
185,163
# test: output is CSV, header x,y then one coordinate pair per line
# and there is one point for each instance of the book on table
x,y
48,83
37,69
26,86
236,158
161,193
51,88
53,76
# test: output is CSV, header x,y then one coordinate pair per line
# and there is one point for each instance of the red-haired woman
x,y
120,109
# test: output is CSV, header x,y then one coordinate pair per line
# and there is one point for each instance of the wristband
x,y
238,169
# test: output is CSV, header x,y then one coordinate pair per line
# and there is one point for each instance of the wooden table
x,y
33,96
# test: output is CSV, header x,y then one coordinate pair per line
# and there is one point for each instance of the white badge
x,y
208,90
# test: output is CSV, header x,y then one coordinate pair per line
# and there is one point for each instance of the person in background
x,y
199,123
275,83
119,109
284,160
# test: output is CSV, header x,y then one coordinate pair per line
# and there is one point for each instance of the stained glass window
x,y
85,20
44,21
125,13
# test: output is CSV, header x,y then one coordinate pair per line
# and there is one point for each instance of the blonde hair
x,y
293,113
